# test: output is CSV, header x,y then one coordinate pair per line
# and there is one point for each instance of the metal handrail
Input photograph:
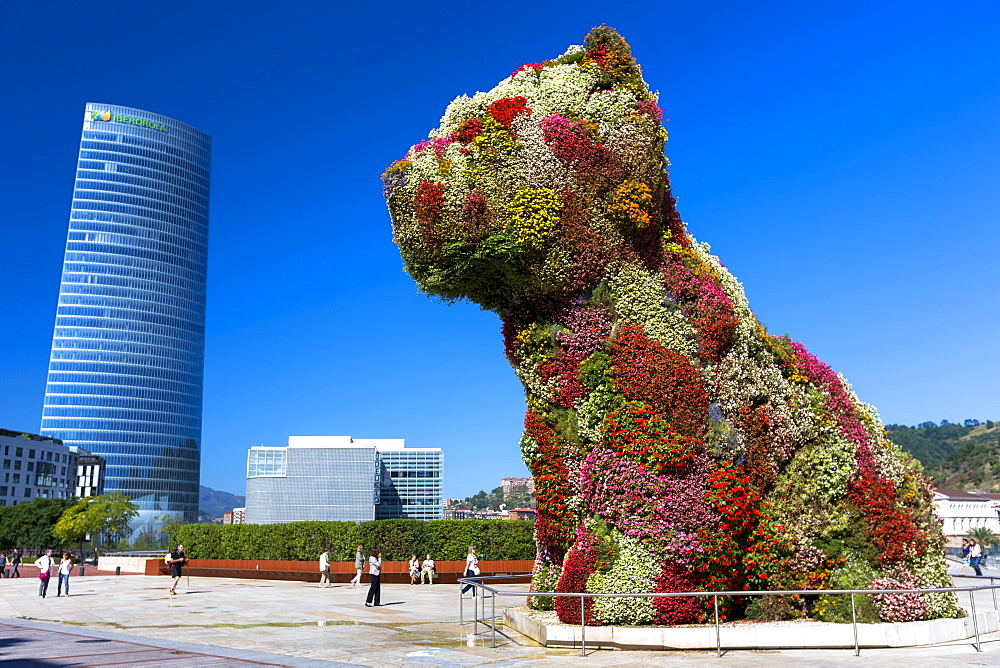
x,y
477,582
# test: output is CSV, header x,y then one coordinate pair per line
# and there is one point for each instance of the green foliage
x,y
106,517
595,370
495,539
984,536
947,449
446,540
518,498
489,274
855,573
483,501
29,525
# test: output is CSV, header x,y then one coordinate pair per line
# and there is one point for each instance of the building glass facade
x,y
311,483
338,478
125,373
412,484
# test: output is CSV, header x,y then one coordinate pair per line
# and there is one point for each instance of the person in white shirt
x,y
414,564
976,556
375,571
65,568
427,570
471,569
44,564
324,568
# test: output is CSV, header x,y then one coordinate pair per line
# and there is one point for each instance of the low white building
x,y
961,511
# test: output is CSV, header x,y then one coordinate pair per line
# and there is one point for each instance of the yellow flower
x,y
534,214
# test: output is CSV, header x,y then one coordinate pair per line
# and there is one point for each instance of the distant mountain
x,y
958,456
212,503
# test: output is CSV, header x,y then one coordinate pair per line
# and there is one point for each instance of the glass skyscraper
x,y
125,374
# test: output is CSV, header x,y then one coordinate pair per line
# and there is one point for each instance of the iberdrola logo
x,y
100,116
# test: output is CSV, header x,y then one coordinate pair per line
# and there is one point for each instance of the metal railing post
x,y
854,624
475,611
975,622
583,629
992,589
718,641
461,607
493,617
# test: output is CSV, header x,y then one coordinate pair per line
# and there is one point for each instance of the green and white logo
x,y
140,121
118,118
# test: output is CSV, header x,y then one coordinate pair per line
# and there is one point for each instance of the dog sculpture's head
x,y
526,192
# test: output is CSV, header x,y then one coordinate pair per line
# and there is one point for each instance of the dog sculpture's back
x,y
675,444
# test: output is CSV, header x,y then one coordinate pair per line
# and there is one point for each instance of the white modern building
x,y
339,478
961,511
42,467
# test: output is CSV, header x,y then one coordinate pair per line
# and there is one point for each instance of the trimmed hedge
x,y
446,540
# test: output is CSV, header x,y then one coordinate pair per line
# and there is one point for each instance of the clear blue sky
x,y
843,160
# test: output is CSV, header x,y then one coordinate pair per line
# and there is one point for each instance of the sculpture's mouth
x,y
491,273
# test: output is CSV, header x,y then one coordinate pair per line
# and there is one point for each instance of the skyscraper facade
x,y
125,373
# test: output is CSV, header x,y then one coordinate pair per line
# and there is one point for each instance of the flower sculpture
x,y
676,445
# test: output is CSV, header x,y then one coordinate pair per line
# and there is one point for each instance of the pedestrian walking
x,y
966,548
427,570
471,569
15,562
324,568
375,571
65,569
3,564
44,564
975,556
176,563
414,565
359,565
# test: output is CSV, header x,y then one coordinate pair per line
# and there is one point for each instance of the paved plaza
x,y
131,620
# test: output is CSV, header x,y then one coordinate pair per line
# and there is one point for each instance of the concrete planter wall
x,y
781,635
127,564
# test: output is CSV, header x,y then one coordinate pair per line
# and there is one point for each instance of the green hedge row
x,y
302,541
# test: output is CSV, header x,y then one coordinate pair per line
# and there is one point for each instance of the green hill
x,y
960,456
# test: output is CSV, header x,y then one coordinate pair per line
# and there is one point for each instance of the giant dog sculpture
x,y
675,444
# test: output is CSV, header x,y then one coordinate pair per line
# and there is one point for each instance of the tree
x,y
108,516
29,525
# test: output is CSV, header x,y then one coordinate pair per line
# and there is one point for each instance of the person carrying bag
x,y
44,564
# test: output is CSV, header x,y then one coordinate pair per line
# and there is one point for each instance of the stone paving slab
x,y
301,624
32,644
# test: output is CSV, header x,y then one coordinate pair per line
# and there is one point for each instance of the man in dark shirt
x,y
177,561
15,561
